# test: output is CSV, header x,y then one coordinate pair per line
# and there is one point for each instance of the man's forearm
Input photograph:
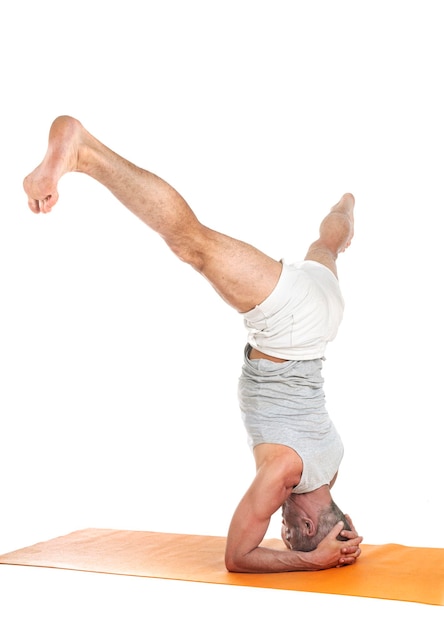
x,y
330,553
266,560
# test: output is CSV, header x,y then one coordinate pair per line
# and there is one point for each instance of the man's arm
x,y
269,490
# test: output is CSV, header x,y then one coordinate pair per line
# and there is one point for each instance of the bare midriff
x,y
257,354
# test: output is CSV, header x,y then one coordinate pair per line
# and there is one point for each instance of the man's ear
x,y
308,527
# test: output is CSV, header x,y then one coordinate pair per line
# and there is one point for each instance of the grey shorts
x,y
284,403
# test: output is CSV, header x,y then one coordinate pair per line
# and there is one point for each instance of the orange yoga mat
x,y
390,571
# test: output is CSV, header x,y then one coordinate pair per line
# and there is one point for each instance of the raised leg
x,y
335,234
241,274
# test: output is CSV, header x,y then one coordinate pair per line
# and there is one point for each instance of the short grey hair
x,y
328,518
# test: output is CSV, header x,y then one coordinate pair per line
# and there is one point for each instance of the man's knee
x,y
188,251
322,254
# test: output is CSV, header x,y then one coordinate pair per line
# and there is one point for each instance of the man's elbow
x,y
234,563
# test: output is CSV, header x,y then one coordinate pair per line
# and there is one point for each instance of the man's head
x,y
305,525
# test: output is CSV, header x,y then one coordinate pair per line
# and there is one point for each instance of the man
x,y
291,312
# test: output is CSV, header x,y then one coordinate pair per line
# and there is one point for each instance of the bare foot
x,y
61,157
345,206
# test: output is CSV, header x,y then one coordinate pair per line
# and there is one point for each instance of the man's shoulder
x,y
279,461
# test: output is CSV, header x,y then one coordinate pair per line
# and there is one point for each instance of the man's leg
x,y
335,234
241,274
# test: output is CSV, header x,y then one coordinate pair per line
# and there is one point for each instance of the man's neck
x,y
315,501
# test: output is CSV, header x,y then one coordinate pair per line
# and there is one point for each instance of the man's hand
x,y
334,552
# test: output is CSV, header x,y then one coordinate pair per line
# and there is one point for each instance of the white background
x,y
118,364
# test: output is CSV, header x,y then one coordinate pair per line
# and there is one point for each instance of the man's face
x,y
288,534
292,523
